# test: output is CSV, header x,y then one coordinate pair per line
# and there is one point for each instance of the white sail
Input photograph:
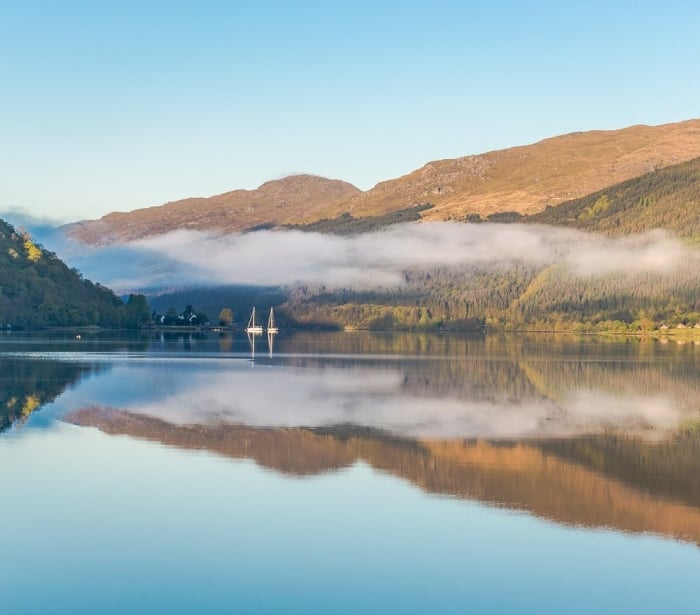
x,y
271,327
252,327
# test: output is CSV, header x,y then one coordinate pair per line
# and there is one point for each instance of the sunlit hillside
x,y
524,179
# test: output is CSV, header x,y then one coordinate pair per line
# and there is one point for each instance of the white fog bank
x,y
286,257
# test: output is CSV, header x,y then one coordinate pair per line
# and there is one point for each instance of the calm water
x,y
349,473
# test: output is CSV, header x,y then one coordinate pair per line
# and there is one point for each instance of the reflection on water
x,y
26,386
446,387
544,424
582,431
621,483
585,433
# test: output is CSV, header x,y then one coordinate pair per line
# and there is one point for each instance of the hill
x,y
527,179
544,296
537,297
37,289
277,202
667,198
523,179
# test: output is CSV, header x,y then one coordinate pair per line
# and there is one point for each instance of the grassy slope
x,y
526,179
276,202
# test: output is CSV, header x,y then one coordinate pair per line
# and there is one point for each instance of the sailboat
x,y
271,327
252,327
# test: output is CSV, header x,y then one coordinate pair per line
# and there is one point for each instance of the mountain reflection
x,y
585,432
630,485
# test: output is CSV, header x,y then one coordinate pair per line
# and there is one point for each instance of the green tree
x,y
137,311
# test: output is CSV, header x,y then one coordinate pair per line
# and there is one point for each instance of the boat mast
x,y
271,328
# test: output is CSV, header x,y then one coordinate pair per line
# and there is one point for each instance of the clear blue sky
x,y
117,105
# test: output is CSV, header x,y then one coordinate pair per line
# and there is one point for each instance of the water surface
x,y
348,473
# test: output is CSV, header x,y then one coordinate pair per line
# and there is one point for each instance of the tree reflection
x,y
26,385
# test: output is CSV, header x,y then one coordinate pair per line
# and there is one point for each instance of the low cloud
x,y
278,257
653,252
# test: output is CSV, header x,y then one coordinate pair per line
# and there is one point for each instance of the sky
x,y
111,106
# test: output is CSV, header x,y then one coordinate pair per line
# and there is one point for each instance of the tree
x,y
226,317
137,312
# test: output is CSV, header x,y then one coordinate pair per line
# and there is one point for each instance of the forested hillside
x,y
667,198
523,297
520,296
37,289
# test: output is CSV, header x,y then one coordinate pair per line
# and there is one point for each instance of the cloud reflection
x,y
379,398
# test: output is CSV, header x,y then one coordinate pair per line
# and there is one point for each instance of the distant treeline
x,y
346,224
523,296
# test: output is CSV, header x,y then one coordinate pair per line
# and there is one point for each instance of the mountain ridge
x,y
236,210
524,179
560,172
